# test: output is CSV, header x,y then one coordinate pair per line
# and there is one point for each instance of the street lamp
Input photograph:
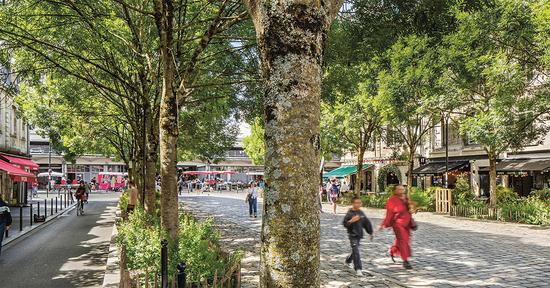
x,y
446,150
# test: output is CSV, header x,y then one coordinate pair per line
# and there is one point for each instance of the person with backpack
x,y
252,199
333,195
5,220
355,221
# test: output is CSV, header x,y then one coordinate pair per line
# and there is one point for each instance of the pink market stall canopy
x,y
208,172
111,180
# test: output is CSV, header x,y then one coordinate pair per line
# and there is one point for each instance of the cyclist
x,y
80,196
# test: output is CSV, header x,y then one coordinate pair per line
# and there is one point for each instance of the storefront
x,y
525,175
14,183
350,172
433,173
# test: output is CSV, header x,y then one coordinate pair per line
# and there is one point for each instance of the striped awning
x,y
344,171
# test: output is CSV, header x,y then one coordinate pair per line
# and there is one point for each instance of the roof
x,y
344,171
524,165
435,168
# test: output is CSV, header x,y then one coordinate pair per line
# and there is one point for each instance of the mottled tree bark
x,y
290,38
151,165
168,122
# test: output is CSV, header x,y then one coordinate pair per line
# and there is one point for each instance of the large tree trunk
x,y
151,166
359,177
290,38
493,179
168,123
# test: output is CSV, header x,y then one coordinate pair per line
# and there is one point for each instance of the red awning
x,y
22,163
16,174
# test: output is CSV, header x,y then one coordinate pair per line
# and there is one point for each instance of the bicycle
x,y
80,207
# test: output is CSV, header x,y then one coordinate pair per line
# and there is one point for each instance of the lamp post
x,y
48,187
446,151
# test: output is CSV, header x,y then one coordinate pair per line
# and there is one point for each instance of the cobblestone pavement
x,y
448,252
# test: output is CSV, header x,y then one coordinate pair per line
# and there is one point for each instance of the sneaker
x,y
407,265
359,273
350,265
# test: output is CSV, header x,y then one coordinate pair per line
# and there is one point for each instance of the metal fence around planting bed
x,y
474,212
500,214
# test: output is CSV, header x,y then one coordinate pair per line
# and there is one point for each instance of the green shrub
x,y
375,200
542,194
123,202
506,195
140,235
198,245
531,210
425,199
462,192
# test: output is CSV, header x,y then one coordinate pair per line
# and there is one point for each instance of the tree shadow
x,y
71,252
443,256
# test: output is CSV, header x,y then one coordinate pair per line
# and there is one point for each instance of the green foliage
x,y
542,194
494,62
511,208
207,132
254,144
141,236
462,192
351,118
198,245
425,199
372,201
376,200
531,210
383,174
123,201
506,195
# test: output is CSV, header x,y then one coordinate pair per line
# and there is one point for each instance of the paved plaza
x,y
447,252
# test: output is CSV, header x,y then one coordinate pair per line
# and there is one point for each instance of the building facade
x,y
16,169
523,171
86,167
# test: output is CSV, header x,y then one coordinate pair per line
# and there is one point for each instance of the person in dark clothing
x,y
355,221
5,220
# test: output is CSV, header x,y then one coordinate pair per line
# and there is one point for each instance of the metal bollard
x,y
55,205
164,263
30,214
20,217
182,277
45,207
51,206
38,208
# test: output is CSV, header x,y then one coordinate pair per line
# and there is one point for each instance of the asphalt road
x,y
71,251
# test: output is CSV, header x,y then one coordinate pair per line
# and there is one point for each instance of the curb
x,y
27,231
112,271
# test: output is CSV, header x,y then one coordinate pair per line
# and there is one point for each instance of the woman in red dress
x,y
399,218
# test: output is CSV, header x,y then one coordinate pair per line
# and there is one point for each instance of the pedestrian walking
x,y
355,221
34,188
132,197
399,218
321,198
333,195
5,220
181,182
252,199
